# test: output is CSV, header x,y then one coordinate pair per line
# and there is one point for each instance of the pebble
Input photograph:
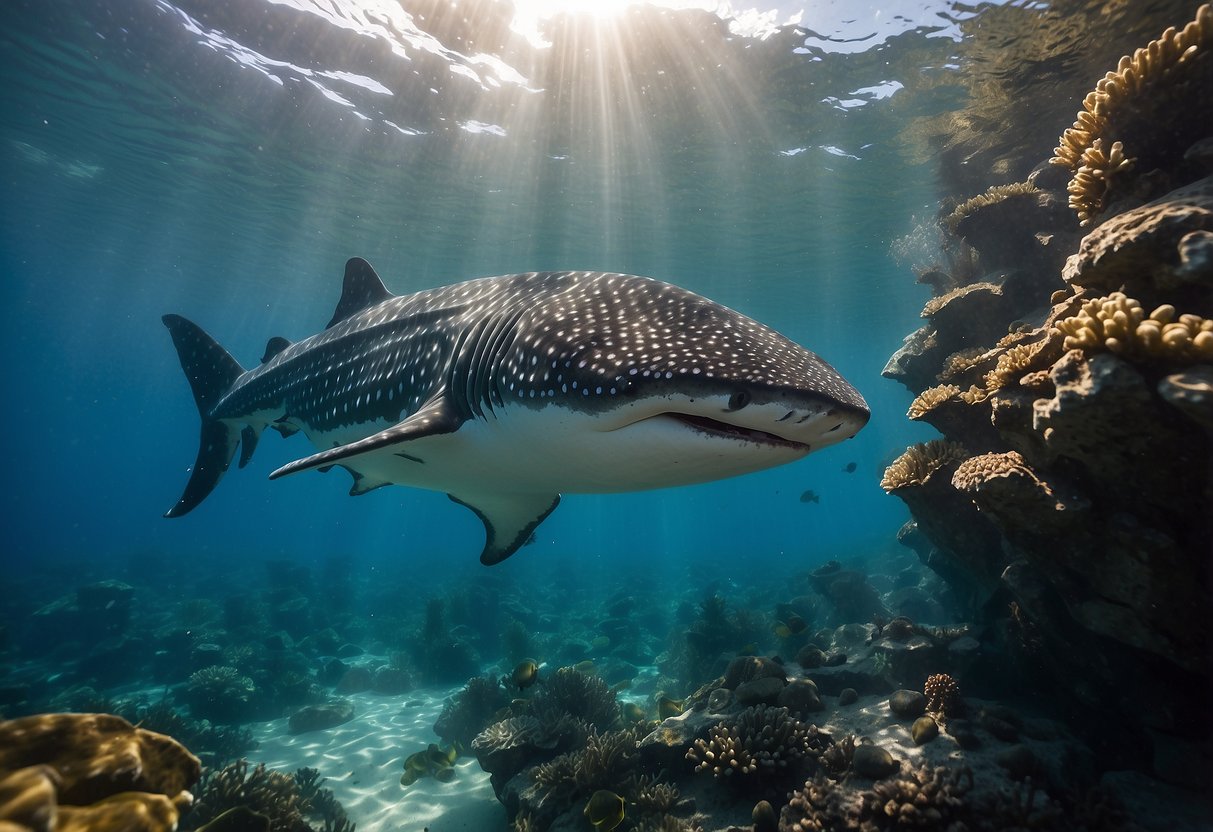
x,y
801,697
810,656
873,762
848,696
924,730
908,704
766,689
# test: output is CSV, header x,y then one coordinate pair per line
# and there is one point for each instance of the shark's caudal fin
x,y
211,372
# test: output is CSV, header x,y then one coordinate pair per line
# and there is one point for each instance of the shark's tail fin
x,y
211,371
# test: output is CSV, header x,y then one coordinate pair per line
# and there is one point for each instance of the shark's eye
x,y
739,400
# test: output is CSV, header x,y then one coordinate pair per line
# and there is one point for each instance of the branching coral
x,y
579,694
992,196
651,796
920,461
761,740
930,399
924,798
1119,324
270,793
943,694
1148,93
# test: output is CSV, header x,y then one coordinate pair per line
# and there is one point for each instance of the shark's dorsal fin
x,y
434,417
274,346
360,290
509,519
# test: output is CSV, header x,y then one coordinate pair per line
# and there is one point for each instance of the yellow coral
x,y
959,363
974,395
933,305
1119,324
1092,148
993,195
920,461
972,473
1012,364
930,399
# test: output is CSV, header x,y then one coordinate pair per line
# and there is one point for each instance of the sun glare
x,y
528,14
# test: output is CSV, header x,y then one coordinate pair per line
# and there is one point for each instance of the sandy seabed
x,y
363,759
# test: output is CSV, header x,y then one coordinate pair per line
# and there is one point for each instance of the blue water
x,y
216,160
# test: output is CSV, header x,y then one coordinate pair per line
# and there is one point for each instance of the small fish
x,y
525,674
435,761
601,643
667,707
809,496
604,810
783,630
586,667
849,468
633,712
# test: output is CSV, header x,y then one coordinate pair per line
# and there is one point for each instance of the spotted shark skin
x,y
505,392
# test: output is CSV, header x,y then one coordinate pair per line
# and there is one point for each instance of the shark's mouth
x,y
703,424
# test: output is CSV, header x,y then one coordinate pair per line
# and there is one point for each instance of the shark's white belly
x,y
556,450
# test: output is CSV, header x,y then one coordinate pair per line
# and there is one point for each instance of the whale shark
x,y
505,392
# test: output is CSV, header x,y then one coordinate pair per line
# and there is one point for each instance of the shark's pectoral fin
x,y
434,417
509,520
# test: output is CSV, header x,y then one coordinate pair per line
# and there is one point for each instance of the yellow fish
x,y
604,810
667,707
525,673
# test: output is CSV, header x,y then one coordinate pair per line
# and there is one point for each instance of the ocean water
x,y
222,159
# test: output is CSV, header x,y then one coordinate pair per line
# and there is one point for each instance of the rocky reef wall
x,y
1066,358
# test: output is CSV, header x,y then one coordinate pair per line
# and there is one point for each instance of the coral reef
x,y
1148,102
1072,513
1162,246
760,741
